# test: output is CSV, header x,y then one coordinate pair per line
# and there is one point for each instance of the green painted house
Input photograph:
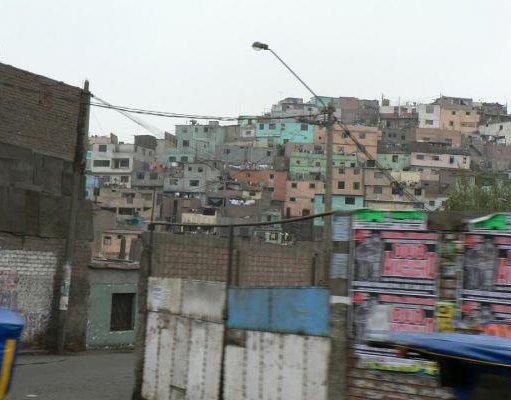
x,y
395,162
339,203
312,166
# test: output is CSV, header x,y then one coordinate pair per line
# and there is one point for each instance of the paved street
x,y
84,376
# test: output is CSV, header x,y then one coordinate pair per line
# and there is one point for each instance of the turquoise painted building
x,y
309,166
281,131
112,307
195,142
339,203
396,162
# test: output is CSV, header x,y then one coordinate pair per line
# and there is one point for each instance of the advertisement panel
x,y
397,267
486,293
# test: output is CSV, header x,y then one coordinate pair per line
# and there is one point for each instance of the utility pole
x,y
69,251
327,221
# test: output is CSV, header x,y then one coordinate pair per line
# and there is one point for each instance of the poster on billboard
x,y
486,293
399,269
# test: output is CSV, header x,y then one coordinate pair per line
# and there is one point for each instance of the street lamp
x,y
327,226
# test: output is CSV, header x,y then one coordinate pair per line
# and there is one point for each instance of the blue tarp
x,y
11,327
489,350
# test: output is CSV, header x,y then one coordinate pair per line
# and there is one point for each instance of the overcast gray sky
x,y
194,56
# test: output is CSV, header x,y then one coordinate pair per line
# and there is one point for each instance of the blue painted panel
x,y
249,308
301,310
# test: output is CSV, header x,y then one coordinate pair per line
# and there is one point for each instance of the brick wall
x,y
38,113
36,265
254,264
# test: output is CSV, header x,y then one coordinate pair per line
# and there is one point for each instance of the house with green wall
x,y
312,165
394,156
281,131
339,203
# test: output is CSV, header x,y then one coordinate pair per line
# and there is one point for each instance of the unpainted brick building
x,y
41,148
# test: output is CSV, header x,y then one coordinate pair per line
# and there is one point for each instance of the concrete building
x,y
43,137
113,162
398,117
129,204
300,196
394,156
498,133
367,136
445,136
428,157
312,166
193,177
116,244
399,135
381,192
429,116
458,114
293,107
281,131
196,142
112,312
490,157
247,156
358,111
269,180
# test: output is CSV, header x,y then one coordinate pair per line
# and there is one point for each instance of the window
x,y
418,192
261,126
378,175
356,171
101,163
451,123
173,181
153,176
395,158
436,158
172,159
419,156
190,168
377,190
467,113
294,185
206,129
107,240
340,185
430,109
304,127
317,164
356,185
341,171
312,200
147,196
451,160
194,182
186,143
349,200
453,112
306,212
272,126
184,159
272,176
464,160
125,211
140,175
396,189
403,137
362,135
268,153
121,163
432,203
448,141
426,139
196,129
269,189
312,186
252,193
371,163
185,130
125,178
102,148
429,122
282,126
200,169
122,312
292,199
227,151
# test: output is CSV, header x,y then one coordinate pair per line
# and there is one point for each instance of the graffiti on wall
x,y
26,286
